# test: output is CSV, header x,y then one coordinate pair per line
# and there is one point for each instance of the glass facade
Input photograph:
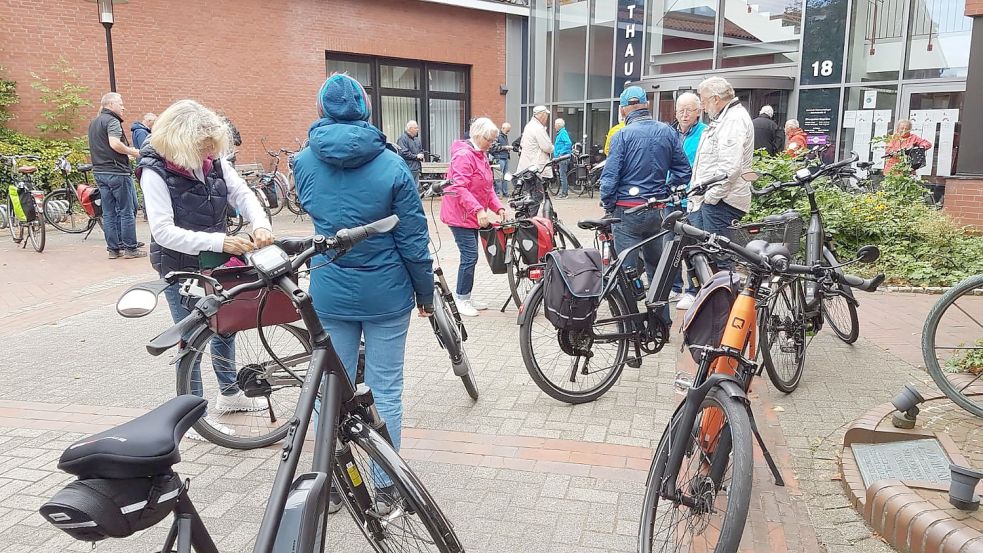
x,y
855,66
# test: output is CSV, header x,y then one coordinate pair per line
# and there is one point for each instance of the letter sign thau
x,y
631,27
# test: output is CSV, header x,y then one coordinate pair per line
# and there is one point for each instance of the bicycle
x,y
952,343
24,213
293,201
272,184
388,503
234,221
66,209
446,321
580,366
698,489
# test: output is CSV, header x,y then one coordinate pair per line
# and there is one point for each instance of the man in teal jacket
x,y
690,127
561,147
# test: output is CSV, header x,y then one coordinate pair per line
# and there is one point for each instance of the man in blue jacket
x,y
690,127
643,154
140,130
561,147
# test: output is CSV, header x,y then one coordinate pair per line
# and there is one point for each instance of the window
x,y
681,38
876,40
938,39
571,49
601,50
435,95
762,32
868,112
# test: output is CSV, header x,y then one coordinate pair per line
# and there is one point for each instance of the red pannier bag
x,y
90,198
535,239
242,312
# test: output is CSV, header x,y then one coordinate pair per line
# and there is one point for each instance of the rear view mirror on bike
x,y
868,254
141,299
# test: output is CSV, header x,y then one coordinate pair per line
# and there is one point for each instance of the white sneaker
x,y
238,402
686,301
193,434
674,296
478,305
465,308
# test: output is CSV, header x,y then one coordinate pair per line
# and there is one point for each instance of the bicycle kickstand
x,y
764,450
508,300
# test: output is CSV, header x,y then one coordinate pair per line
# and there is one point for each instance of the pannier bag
x,y
25,207
916,157
494,241
705,321
572,288
535,239
269,189
242,312
90,198
94,509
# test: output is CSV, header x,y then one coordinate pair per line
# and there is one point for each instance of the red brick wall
x,y
964,201
260,62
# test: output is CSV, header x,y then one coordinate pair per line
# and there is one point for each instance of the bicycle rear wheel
x,y
952,344
14,225
63,211
279,184
281,363
574,366
450,340
35,233
388,503
781,335
708,508
518,274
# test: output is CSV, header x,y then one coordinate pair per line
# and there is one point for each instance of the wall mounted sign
x,y
629,57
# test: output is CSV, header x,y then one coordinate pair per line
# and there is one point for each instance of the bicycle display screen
x,y
271,261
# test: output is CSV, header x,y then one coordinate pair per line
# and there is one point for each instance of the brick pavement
x,y
514,470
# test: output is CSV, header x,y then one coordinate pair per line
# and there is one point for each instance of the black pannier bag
x,y
572,288
494,242
916,157
705,321
93,509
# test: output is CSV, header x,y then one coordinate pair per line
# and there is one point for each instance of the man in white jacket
x,y
727,146
536,148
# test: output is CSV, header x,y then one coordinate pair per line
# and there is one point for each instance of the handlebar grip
x,y
564,157
170,337
864,284
294,245
347,238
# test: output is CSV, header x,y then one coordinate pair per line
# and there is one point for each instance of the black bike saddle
x,y
595,224
769,249
782,217
83,168
145,446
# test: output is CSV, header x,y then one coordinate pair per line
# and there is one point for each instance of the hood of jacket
x,y
346,144
137,126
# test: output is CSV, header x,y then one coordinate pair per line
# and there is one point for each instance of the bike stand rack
x,y
764,449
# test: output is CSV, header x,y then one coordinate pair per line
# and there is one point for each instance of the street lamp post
x,y
106,18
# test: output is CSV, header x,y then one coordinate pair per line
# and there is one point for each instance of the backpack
x,y
572,288
705,321
25,207
535,239
90,198
494,243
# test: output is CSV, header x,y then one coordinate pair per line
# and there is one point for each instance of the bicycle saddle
x,y
145,446
595,224
83,168
865,164
782,217
27,169
769,249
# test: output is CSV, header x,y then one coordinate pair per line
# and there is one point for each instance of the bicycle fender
x,y
733,389
185,350
523,313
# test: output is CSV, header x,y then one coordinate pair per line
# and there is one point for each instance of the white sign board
x,y
870,99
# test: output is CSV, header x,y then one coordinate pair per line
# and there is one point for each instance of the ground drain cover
x,y
909,460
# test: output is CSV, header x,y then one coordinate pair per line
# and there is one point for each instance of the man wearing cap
x,y
643,155
536,148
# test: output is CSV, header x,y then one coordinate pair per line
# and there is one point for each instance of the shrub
x,y
8,97
66,101
14,143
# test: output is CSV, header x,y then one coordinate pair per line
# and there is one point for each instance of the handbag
x,y
242,313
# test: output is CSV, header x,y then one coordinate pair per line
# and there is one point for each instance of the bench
x,y
432,171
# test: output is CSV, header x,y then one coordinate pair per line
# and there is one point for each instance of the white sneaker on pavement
x,y
193,434
478,305
686,301
674,296
465,308
238,402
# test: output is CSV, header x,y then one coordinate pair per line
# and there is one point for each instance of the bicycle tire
x,y
233,223
279,184
252,429
577,185
930,343
449,338
370,460
63,211
14,224
782,324
738,493
839,311
35,233
530,340
518,274
563,239
293,201
553,185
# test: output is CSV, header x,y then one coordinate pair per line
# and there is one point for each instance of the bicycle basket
x,y
785,228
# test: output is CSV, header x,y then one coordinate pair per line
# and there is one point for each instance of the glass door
x,y
935,111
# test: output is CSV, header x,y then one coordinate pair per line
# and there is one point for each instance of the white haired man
x,y
690,126
501,153
727,147
411,149
561,147
536,148
766,133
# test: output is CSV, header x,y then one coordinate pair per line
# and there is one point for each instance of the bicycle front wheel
x,y
782,336
952,344
35,233
252,388
518,274
839,310
279,184
574,366
388,502
450,340
63,211
14,225
707,508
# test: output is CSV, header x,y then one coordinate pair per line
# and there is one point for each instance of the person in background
x,y
614,130
140,130
470,203
690,127
411,149
796,140
348,177
561,147
901,140
111,152
188,188
501,155
535,150
727,147
643,156
766,135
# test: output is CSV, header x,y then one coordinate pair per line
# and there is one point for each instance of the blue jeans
x,y
223,347
564,169
467,244
385,348
502,185
717,219
118,215
634,228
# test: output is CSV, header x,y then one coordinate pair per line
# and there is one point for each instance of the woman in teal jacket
x,y
348,177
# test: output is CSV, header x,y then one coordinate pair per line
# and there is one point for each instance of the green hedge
x,y
48,176
919,245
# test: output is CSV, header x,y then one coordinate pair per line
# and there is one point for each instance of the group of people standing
x,y
769,138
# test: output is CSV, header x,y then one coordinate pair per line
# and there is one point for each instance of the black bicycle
x,y
24,205
952,343
73,208
577,366
133,463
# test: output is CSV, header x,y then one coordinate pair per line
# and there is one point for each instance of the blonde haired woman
x,y
187,188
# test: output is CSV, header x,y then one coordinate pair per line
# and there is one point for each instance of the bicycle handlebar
x,y
674,196
824,169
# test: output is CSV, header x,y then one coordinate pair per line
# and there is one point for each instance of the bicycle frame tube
x,y
622,256
815,240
